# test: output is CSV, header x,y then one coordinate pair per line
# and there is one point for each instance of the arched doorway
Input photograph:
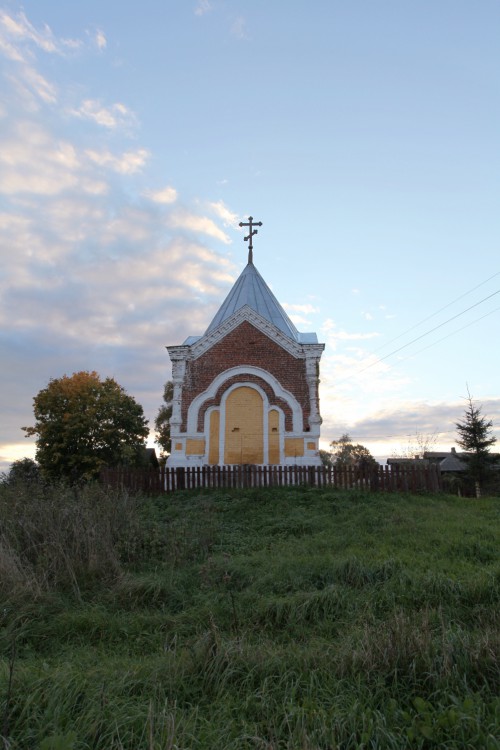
x,y
244,427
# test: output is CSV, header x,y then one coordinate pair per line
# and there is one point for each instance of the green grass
x,y
261,619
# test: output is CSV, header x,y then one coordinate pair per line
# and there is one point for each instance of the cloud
x,y
16,31
16,36
39,85
9,50
297,313
19,28
14,452
112,116
387,429
397,423
33,161
238,28
354,384
307,309
164,196
300,321
183,219
202,7
127,163
99,286
333,335
223,212
93,276
368,398
100,39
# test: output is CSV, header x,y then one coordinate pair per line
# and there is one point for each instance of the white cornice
x,y
178,352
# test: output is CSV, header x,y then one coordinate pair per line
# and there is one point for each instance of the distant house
x,y
454,463
406,462
449,462
453,467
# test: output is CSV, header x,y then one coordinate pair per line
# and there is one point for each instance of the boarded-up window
x,y
213,449
294,447
274,437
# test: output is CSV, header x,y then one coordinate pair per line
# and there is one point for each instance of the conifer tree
x,y
476,439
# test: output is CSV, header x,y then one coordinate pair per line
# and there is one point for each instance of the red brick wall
x,y
245,345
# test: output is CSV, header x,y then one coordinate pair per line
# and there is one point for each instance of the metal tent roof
x,y
251,289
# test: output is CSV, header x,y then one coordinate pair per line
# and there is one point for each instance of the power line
x,y
433,315
427,333
451,334
390,437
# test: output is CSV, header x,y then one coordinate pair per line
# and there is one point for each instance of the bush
x,y
23,470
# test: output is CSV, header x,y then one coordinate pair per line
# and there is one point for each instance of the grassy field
x,y
294,618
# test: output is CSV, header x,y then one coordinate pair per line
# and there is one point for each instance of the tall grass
x,y
293,618
62,537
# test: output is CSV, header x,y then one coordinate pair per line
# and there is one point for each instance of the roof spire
x,y
250,224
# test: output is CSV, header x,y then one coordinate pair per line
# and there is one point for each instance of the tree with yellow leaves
x,y
84,423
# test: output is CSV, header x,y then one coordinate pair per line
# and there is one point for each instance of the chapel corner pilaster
x,y
178,356
313,354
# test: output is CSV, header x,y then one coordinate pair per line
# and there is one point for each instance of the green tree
x,y
162,421
347,453
23,470
326,458
84,423
476,439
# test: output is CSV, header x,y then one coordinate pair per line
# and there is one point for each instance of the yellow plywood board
x,y
274,437
311,446
213,449
244,438
294,447
195,447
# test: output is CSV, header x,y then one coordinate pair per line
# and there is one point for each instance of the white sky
x,y
364,135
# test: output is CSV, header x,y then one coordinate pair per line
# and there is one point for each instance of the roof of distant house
x,y
452,462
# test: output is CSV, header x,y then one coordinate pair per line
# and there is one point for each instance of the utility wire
x,y
450,334
387,437
404,346
433,315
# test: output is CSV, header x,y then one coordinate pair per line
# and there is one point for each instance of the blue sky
x,y
364,135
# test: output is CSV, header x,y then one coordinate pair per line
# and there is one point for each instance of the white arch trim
x,y
241,371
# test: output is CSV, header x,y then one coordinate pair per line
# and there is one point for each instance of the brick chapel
x,y
246,391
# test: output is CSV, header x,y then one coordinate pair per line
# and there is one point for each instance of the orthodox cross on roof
x,y
250,224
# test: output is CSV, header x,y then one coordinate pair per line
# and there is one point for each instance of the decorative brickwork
x,y
249,378
245,345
